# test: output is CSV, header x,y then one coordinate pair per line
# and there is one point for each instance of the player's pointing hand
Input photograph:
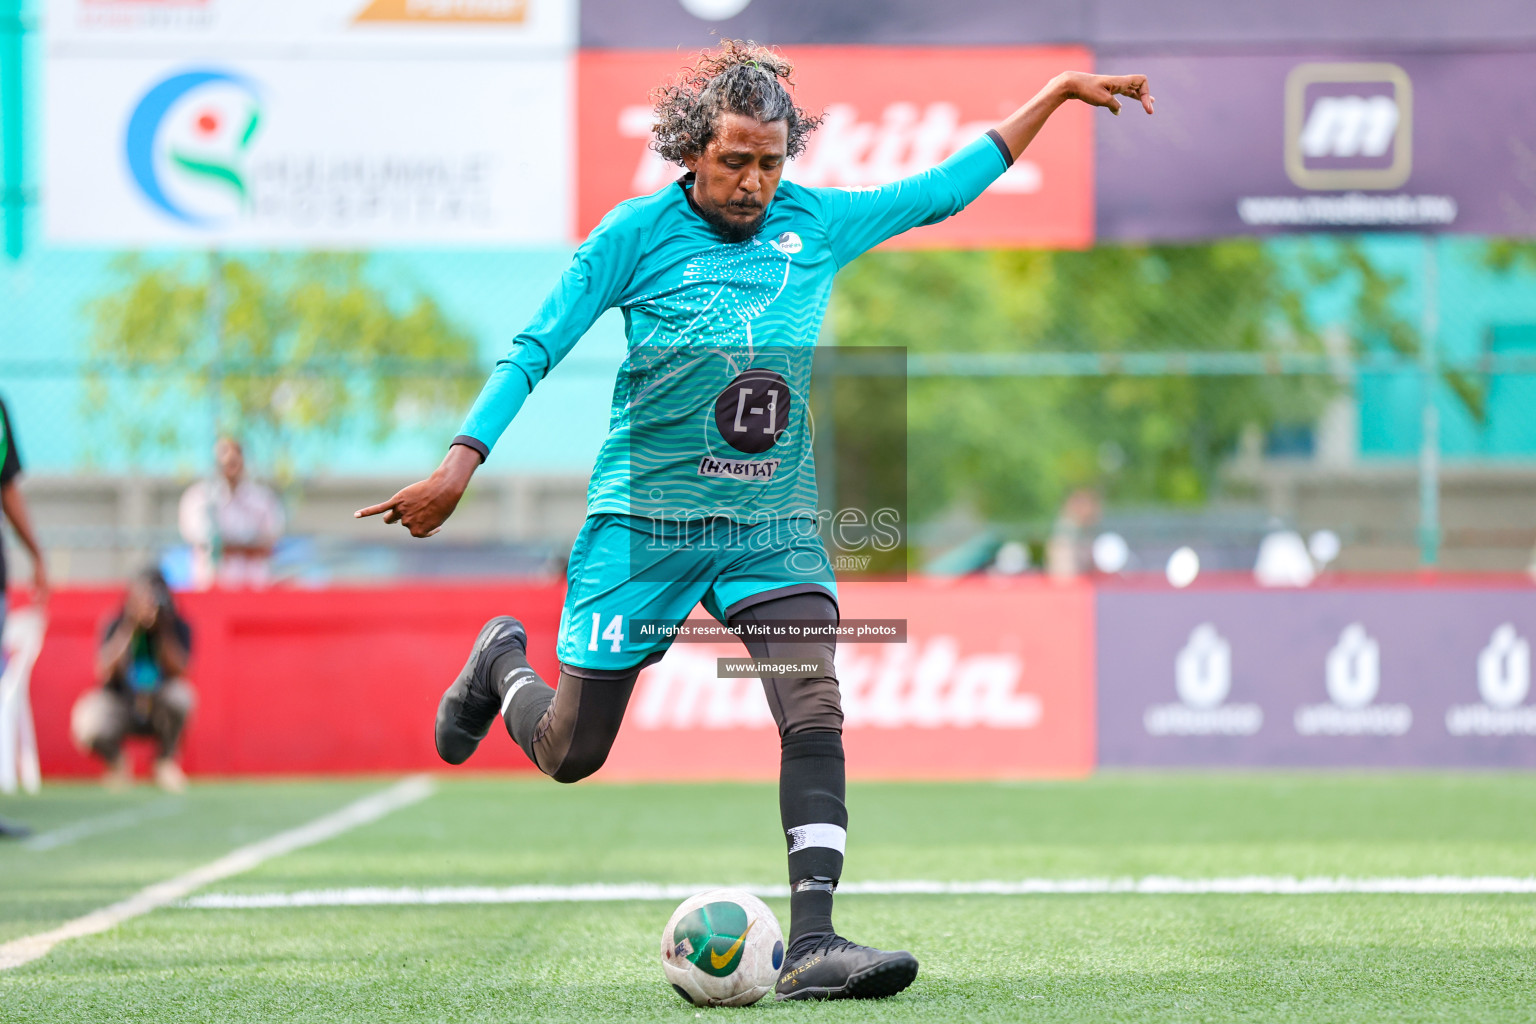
x,y
424,506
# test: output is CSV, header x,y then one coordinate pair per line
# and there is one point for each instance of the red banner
x,y
890,112
995,681
301,681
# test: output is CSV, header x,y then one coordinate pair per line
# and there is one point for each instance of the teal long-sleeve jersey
x,y
710,412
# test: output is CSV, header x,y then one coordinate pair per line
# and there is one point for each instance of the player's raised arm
x,y
1020,129
861,219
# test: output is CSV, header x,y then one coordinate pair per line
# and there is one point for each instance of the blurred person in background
x,y
140,668
232,523
1283,559
1066,554
15,511
14,508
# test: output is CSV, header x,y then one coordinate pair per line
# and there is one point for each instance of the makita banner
x,y
1322,142
1379,677
889,113
993,680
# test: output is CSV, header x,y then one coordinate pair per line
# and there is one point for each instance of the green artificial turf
x,y
1057,958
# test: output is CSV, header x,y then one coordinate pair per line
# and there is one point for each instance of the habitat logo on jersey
x,y
1202,676
187,142
738,469
1352,676
1503,681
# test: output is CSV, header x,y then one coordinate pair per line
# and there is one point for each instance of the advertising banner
x,y
631,24
994,680
335,124
1371,677
299,681
889,113
1266,143
1406,24
316,29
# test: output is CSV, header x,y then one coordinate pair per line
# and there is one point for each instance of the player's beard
x,y
734,230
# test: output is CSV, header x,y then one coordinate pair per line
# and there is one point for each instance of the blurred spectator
x,y
1011,559
1111,554
140,666
232,523
1283,559
1066,554
15,509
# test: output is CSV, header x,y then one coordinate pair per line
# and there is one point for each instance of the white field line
x,y
72,833
1152,885
360,812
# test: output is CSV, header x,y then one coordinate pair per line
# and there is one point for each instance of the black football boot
x,y
471,704
835,968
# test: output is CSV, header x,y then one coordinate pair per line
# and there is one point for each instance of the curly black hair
x,y
736,76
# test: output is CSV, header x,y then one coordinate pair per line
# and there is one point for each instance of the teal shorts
x,y
629,574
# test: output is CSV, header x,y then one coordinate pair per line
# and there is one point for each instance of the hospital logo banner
x,y
332,124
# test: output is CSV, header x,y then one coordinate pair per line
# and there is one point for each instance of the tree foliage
x,y
1011,448
1511,254
1376,318
268,347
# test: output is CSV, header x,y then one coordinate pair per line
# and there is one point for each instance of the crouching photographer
x,y
142,691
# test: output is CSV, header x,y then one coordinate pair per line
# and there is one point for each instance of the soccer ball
x,y
723,947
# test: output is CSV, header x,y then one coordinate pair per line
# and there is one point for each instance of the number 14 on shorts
x,y
614,633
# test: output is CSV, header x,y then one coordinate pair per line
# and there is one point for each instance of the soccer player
x,y
704,489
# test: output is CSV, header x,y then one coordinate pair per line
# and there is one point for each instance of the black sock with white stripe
x,y
524,696
811,787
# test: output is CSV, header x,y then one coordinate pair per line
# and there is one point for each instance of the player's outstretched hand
x,y
1102,90
423,507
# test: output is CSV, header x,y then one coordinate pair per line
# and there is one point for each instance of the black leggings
x,y
568,732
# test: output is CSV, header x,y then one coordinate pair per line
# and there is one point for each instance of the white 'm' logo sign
x,y
1345,126
1348,126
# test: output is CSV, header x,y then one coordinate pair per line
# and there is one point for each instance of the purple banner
x,y
652,24
1405,24
1260,144
1319,677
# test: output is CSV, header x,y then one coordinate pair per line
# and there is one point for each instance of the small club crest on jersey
x,y
788,243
